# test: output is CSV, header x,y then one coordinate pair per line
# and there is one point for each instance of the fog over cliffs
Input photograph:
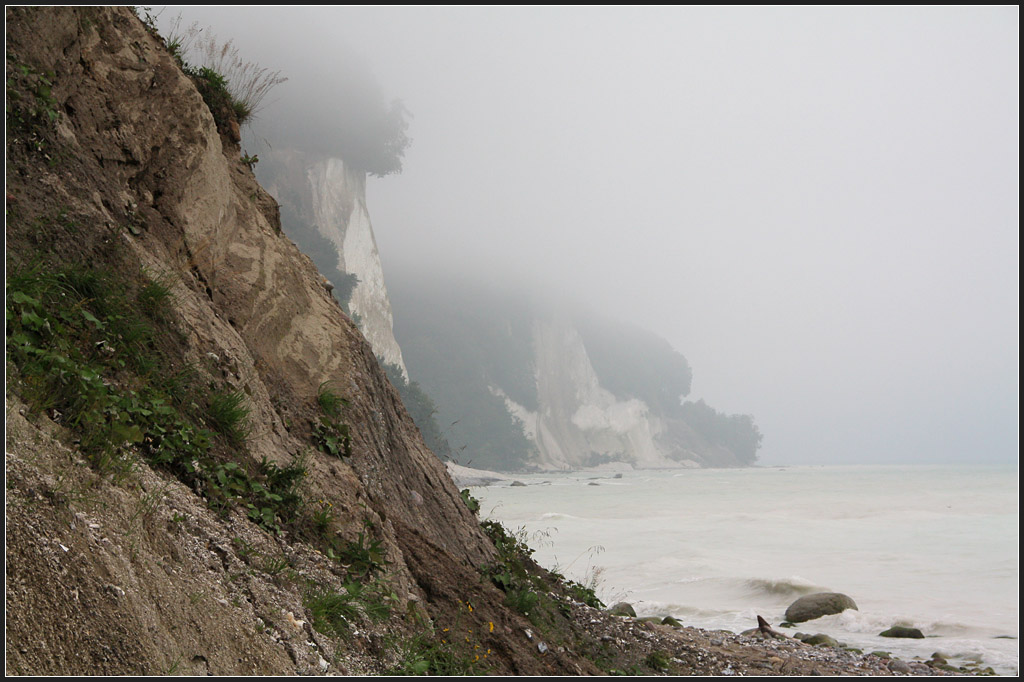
x,y
818,206
520,382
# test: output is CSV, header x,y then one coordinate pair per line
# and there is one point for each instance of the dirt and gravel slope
x,y
115,162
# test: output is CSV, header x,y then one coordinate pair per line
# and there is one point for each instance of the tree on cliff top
x,y
337,108
382,144
736,432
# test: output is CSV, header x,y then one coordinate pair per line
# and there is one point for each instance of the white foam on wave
x,y
546,516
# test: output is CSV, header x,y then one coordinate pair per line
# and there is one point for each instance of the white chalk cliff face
x,y
578,423
330,197
339,213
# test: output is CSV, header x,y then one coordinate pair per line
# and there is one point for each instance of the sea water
x,y
931,547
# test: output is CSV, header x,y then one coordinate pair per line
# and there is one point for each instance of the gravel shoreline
x,y
720,653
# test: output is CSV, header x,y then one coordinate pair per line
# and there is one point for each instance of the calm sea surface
x,y
933,547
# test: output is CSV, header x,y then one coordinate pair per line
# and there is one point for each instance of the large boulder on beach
x,y
819,639
902,631
813,606
623,609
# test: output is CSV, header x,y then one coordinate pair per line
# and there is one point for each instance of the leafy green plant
x,y
332,438
658,660
471,502
42,109
274,565
284,482
231,86
80,346
454,650
515,574
228,413
376,599
244,549
247,82
522,600
155,297
330,435
365,555
583,593
146,16
270,497
425,655
214,89
329,401
511,546
323,516
333,612
65,330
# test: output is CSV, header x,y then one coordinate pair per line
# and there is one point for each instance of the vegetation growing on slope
x,y
90,350
736,432
421,408
231,86
354,121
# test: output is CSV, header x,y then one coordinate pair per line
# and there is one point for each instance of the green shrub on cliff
x,y
84,345
226,80
228,413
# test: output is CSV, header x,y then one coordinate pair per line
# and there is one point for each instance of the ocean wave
x,y
783,587
679,611
740,590
559,515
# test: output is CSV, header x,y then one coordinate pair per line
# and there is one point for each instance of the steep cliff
x,y
323,204
202,450
578,422
523,385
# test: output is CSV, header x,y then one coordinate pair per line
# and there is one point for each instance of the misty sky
x,y
817,206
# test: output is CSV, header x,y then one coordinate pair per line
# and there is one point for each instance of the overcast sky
x,y
817,206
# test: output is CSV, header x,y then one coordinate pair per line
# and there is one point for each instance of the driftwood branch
x,y
766,629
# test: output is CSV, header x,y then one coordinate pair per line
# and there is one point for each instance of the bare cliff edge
x,y
138,574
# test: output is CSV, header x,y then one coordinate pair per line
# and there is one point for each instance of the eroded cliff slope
x,y
323,208
201,446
